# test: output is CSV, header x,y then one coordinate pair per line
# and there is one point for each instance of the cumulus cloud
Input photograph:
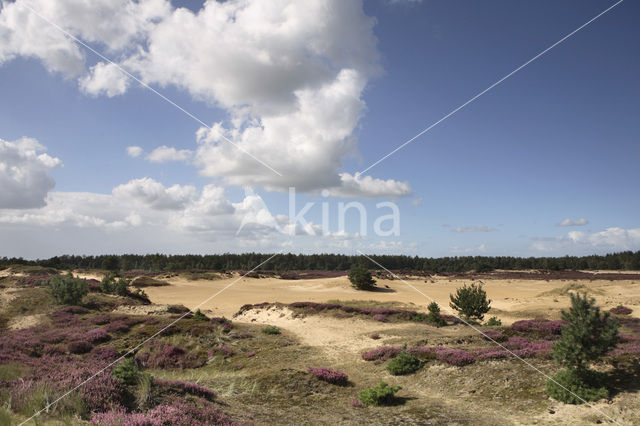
x,y
24,174
571,222
134,151
474,228
609,240
290,74
165,154
104,78
366,186
155,195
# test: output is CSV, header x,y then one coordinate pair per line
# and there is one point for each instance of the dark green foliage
x,y
589,335
571,387
382,394
361,279
127,372
434,314
471,302
68,290
108,283
335,262
493,321
198,315
404,363
111,263
271,329
122,287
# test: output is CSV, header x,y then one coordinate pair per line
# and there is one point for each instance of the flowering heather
x,y
356,403
178,413
375,336
117,326
186,387
94,285
250,354
330,376
97,335
381,318
104,353
33,280
457,357
162,355
223,350
80,346
542,325
621,310
493,335
382,353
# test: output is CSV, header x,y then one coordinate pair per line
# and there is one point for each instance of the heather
x,y
330,376
621,310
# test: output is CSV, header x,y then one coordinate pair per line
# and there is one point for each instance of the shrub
x,y
361,279
457,357
493,335
79,347
223,350
271,329
107,284
540,325
571,387
186,387
127,372
382,353
382,394
375,336
198,315
434,314
588,335
97,335
471,302
493,322
381,318
330,376
117,326
67,290
621,310
404,363
122,287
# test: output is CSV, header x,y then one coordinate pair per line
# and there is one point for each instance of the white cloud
x,y
155,195
474,228
24,174
134,151
104,79
416,201
165,154
366,186
609,240
571,222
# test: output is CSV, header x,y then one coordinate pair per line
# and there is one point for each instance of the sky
x,y
207,127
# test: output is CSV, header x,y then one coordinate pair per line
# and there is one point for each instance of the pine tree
x,y
471,302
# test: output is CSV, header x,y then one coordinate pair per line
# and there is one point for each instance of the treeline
x,y
330,262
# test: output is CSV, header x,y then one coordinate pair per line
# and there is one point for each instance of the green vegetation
x,y
334,262
127,372
471,302
493,322
588,336
67,290
434,314
403,364
382,394
361,279
198,315
271,329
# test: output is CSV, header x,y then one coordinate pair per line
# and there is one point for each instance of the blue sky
x,y
320,93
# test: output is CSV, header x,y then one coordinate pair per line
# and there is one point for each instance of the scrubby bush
x,y
271,329
471,302
571,387
127,372
198,315
540,325
621,310
68,290
186,387
330,376
588,336
434,314
382,394
404,363
360,278
493,322
381,318
80,346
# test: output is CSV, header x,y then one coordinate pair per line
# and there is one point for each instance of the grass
x,y
571,288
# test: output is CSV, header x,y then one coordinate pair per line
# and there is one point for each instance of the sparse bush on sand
x,y
271,329
198,315
68,290
471,302
383,394
588,335
621,310
434,314
404,363
361,279
493,322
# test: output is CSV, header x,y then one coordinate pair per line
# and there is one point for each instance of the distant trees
x,y
361,278
588,336
67,290
331,262
471,302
